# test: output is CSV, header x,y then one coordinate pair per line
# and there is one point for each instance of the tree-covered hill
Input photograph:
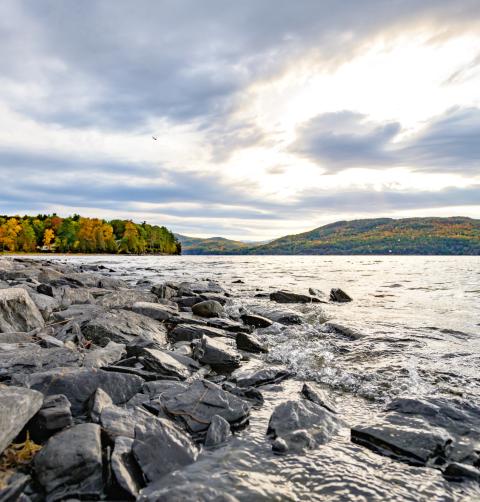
x,y
76,234
212,245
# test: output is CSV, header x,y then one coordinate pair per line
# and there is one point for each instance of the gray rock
x,y
106,282
79,313
338,295
54,415
164,363
199,287
97,402
459,472
79,384
111,353
289,297
228,325
218,432
160,448
164,290
196,405
187,301
250,343
18,312
123,326
17,407
70,464
222,300
217,354
125,469
176,492
156,311
256,321
319,294
46,289
190,332
255,378
116,421
281,315
208,308
125,299
341,329
45,304
136,346
16,338
317,396
73,296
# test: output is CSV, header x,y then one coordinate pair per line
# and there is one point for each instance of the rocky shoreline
x,y
109,389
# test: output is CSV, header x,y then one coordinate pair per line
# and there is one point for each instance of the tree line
x,y
77,234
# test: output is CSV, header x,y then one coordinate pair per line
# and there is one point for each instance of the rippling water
x,y
417,321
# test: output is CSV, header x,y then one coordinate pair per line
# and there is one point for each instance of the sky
x,y
272,117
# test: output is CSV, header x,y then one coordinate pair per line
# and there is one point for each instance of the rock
x,y
16,338
165,290
228,325
17,407
282,315
106,282
238,281
412,442
79,313
208,308
49,341
78,384
136,346
255,378
156,311
190,332
341,329
98,401
256,321
199,287
18,312
187,301
222,300
125,469
459,472
338,295
289,297
249,343
218,432
117,422
217,354
249,393
111,353
302,424
70,464
164,363
160,448
54,415
317,396
46,289
200,402
319,294
73,296
126,298
122,326
45,304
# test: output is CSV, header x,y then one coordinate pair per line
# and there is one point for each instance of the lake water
x,y
417,333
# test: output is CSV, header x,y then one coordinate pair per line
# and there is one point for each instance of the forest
x,y
76,234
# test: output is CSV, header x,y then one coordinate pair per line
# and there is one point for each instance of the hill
x,y
212,245
424,236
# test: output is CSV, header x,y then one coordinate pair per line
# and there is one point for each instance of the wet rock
x,y
54,415
218,432
116,421
78,384
190,332
46,289
164,363
289,297
182,492
217,354
250,343
338,295
238,281
251,394
208,308
459,472
228,325
200,287
122,326
302,424
317,396
255,378
200,402
18,312
319,294
97,402
341,329
111,353
126,298
187,302
222,300
160,447
256,321
17,407
125,469
411,442
156,311
165,290
283,316
70,464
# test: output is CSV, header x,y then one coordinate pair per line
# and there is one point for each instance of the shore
x,y
117,390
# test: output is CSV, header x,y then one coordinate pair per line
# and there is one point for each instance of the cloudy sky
x,y
272,116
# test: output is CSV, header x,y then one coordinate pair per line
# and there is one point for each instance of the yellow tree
x,y
48,237
8,234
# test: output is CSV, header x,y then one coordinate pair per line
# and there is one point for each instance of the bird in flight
x,y
154,138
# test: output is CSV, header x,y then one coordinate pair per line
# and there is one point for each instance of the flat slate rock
x,y
200,287
283,316
289,297
164,363
190,332
201,401
123,326
126,298
70,464
217,354
250,343
255,378
54,415
18,312
117,421
125,469
317,396
257,321
156,311
78,385
160,447
338,295
111,353
229,325
218,432
17,406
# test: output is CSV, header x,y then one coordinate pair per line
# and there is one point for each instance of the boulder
x,y
289,297
125,469
123,326
46,289
217,354
250,343
156,311
97,402
54,415
257,321
190,332
17,407
18,312
255,378
166,290
70,464
338,295
125,299
73,296
78,384
322,297
160,447
186,302
228,325
117,422
218,432
199,287
341,329
164,363
208,308
283,316
111,353
317,396
45,304
196,405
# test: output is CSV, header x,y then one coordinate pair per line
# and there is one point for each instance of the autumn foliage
x,y
83,235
